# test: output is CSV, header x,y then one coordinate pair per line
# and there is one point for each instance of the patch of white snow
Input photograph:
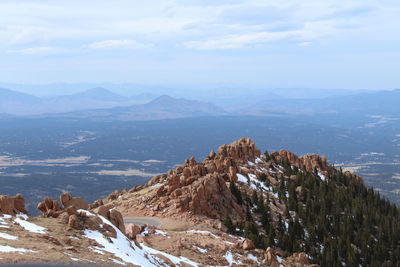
x,y
126,250
31,227
8,249
229,258
7,236
241,178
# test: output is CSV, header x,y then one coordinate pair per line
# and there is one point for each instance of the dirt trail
x,y
143,220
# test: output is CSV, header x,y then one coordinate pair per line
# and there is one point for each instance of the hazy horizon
x,y
130,89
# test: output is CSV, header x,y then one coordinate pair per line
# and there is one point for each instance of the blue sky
x,y
317,44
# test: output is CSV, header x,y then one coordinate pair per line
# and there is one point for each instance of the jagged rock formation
x,y
311,162
12,205
68,213
202,188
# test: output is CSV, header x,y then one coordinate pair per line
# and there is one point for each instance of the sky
x,y
287,44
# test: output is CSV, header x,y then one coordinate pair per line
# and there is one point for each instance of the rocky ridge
x,y
199,193
191,203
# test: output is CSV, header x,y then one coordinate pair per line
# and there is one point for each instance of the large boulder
x,y
49,208
132,230
113,215
247,244
77,202
12,205
117,219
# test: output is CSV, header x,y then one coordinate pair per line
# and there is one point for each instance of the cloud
x,y
243,40
305,44
119,44
43,50
28,35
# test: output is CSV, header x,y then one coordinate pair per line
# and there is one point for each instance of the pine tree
x,y
229,225
236,192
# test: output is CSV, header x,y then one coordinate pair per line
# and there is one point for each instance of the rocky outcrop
x,y
311,162
307,162
52,208
68,213
132,230
201,188
12,205
111,214
49,208
79,203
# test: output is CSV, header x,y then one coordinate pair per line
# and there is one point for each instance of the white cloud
x,y
43,50
243,40
304,44
124,44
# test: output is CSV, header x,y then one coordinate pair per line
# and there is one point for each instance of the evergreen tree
x,y
236,192
229,225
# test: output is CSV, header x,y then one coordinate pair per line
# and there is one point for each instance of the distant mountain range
x,y
163,107
384,103
22,104
100,103
7,95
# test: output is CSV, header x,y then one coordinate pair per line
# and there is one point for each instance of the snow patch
x,y
8,249
117,261
31,227
322,177
229,258
126,250
156,232
241,178
259,160
7,236
201,250
175,260
252,257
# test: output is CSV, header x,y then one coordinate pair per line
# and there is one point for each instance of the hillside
x,y
384,103
237,207
98,93
17,103
283,203
163,107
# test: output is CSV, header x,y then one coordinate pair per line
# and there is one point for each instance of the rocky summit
x,y
237,207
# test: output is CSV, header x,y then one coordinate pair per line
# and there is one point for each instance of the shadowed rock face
x,y
12,205
201,188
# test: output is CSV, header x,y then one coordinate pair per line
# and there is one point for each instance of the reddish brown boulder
x,y
113,215
73,221
247,244
117,219
19,203
12,205
301,259
104,211
49,208
270,257
132,230
77,202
